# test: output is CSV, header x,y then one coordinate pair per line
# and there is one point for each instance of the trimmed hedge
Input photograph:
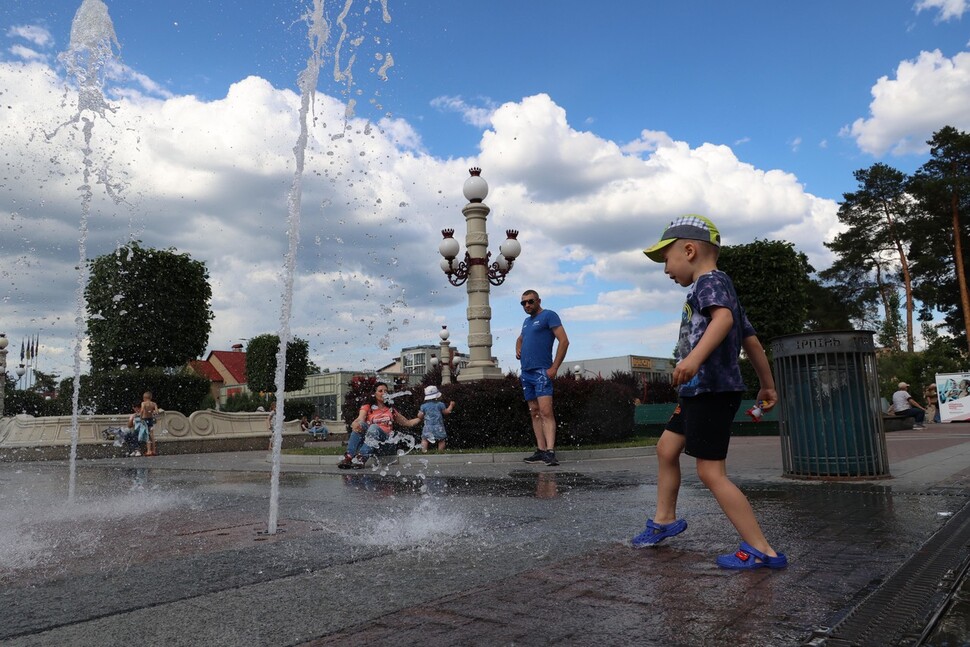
x,y
492,412
17,401
112,392
297,408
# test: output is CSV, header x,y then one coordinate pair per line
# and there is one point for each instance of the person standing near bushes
x,y
533,349
932,398
432,414
149,413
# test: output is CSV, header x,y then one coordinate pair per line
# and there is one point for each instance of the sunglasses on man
x,y
527,302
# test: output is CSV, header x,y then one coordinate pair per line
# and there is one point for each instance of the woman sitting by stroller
x,y
137,431
372,427
132,436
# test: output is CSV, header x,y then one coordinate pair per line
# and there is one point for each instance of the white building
x,y
646,369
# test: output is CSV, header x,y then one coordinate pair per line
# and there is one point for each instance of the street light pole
x,y
3,369
477,275
445,356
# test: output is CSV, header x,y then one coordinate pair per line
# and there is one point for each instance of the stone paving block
x,y
843,540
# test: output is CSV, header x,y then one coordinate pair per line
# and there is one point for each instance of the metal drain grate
x,y
899,610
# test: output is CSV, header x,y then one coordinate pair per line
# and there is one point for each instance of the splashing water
x,y
39,534
318,32
88,56
426,526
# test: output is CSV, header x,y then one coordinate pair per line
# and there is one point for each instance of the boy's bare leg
x,y
734,503
669,448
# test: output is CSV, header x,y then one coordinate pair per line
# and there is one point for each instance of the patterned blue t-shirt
x,y
433,419
720,371
537,338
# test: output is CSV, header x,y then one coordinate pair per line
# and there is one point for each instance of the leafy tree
x,y
859,288
44,383
874,245
830,308
772,281
31,402
939,236
261,363
919,368
891,328
246,401
147,308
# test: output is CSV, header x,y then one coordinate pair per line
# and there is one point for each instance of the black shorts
x,y
705,422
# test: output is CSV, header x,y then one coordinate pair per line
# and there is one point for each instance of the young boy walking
x,y
149,413
713,331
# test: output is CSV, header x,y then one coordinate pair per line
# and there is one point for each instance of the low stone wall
x,y
28,438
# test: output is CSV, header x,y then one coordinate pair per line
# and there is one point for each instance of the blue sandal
x,y
748,557
655,533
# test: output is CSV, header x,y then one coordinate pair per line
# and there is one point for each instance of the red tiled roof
x,y
204,368
234,361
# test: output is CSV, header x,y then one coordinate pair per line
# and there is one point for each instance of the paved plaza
x,y
464,550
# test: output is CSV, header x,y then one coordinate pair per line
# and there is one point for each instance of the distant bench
x,y
892,422
650,420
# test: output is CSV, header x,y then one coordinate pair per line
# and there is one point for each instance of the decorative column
x,y
445,356
3,369
476,273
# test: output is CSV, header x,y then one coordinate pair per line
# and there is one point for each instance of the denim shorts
x,y
535,384
705,422
434,434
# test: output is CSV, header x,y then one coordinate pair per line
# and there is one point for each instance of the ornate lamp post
x,y
3,368
445,355
476,274
579,370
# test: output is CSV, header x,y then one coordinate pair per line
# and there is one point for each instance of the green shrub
x,y
592,410
245,401
111,392
658,392
488,412
492,412
297,408
31,403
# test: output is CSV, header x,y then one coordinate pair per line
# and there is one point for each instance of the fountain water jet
x,y
318,31
90,52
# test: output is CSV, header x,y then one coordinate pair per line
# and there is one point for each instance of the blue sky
x,y
594,127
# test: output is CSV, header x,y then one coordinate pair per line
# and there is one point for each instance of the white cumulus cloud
x,y
210,178
948,8
926,94
35,34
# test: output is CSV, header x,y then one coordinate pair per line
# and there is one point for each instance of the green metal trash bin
x,y
830,417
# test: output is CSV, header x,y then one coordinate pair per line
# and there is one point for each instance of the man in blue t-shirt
x,y
534,349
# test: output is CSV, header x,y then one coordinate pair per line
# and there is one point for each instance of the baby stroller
x,y
127,437
390,451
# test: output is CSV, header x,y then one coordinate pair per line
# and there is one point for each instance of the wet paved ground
x,y
172,550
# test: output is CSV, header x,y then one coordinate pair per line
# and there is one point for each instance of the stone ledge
x,y
25,437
